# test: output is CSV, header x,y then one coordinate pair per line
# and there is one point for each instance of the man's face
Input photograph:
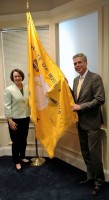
x,y
80,65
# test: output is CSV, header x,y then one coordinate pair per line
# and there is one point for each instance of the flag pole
x,y
37,161
27,5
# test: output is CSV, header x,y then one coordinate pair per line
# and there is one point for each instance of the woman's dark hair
x,y
19,71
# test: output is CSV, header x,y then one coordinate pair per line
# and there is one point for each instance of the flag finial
x,y
27,4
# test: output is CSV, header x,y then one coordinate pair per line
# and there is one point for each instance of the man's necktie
x,y
79,86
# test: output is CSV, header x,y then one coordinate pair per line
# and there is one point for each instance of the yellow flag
x,y
50,97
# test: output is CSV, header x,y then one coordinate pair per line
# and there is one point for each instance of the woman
x,y
17,113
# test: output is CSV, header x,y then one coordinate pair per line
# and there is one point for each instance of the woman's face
x,y
17,78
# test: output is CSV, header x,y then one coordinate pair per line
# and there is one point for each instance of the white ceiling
x,y
20,6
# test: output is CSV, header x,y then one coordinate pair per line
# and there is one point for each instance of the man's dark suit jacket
x,y
91,97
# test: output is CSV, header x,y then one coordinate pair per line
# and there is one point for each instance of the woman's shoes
x,y
18,167
25,161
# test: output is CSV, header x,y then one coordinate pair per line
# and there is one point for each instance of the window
x,y
79,35
14,49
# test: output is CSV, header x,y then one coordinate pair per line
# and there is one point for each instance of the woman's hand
x,y
12,124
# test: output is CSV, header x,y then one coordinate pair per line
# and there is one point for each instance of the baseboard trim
x,y
29,151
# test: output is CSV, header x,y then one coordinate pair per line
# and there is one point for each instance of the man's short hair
x,y
80,55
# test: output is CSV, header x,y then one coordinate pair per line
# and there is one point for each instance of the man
x,y
89,95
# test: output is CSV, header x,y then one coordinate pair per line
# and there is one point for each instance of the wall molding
x,y
30,151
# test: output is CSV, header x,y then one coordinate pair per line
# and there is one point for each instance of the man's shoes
x,y
96,190
86,181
